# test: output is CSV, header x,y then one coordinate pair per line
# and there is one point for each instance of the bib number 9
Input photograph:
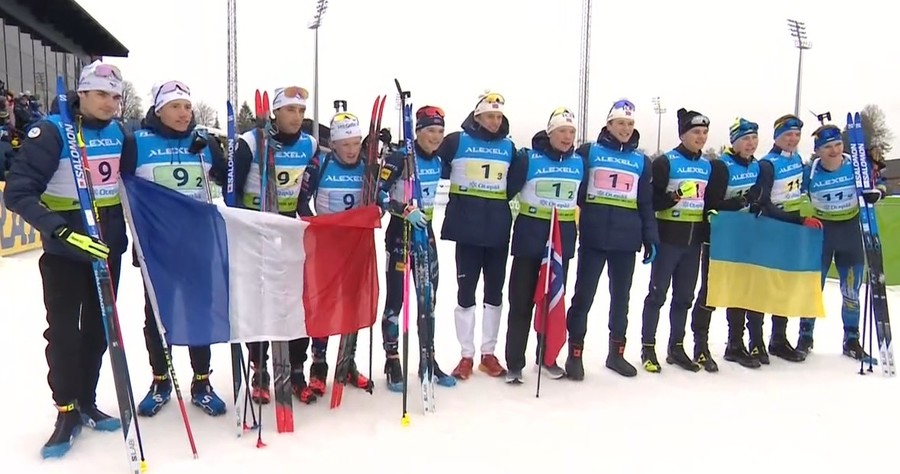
x,y
179,176
108,170
555,190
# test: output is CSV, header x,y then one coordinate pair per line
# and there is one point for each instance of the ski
x,y
421,257
347,345
872,244
73,142
237,353
281,363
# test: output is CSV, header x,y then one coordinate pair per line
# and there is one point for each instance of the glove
x,y
199,139
687,189
383,199
812,223
649,253
94,248
710,214
872,196
415,217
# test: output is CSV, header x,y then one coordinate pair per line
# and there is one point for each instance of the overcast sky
x,y
722,58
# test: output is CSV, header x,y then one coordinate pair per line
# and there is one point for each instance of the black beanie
x,y
688,119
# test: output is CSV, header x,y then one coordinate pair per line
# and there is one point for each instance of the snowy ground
x,y
804,417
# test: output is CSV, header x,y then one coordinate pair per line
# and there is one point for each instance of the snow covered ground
x,y
815,417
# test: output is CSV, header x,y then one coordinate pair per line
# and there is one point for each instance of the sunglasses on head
x,y
430,111
789,122
107,71
172,86
701,120
563,112
343,116
295,91
492,98
624,104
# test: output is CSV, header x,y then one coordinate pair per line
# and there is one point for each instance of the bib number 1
x,y
555,190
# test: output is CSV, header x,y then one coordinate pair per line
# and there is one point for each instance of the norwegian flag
x,y
549,296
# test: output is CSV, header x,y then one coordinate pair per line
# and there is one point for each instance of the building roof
x,y
61,24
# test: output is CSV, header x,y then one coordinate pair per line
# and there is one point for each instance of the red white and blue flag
x,y
549,296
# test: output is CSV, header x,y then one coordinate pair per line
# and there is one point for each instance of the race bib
x,y
179,176
104,171
555,190
480,171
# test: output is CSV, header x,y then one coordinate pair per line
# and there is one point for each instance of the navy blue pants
x,y
471,261
590,266
678,266
390,321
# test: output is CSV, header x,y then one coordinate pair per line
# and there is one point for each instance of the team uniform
x,y
544,178
478,219
616,220
334,187
428,169
179,161
732,187
40,187
833,196
292,153
780,181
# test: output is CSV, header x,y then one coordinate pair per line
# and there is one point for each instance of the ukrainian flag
x,y
765,265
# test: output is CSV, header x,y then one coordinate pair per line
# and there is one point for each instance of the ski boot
x,y
203,396
394,374
703,358
676,355
442,378
300,388
259,386
649,360
159,394
574,364
854,350
93,418
780,347
736,352
758,352
805,345
318,372
463,370
359,380
615,360
68,427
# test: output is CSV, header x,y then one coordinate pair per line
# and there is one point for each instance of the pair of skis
x,y
876,303
347,346
266,147
417,250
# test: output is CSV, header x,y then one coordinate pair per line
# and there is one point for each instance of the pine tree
x,y
245,118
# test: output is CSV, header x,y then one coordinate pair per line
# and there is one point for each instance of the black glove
x,y
199,140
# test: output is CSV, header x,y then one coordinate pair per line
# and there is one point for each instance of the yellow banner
x,y
17,236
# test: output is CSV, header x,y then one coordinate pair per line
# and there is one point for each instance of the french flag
x,y
220,274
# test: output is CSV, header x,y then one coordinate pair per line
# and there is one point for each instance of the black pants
x,y
259,352
677,265
590,266
702,313
471,260
76,339
200,355
523,279
736,318
390,322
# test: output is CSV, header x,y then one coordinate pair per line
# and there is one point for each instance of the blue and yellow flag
x,y
765,265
